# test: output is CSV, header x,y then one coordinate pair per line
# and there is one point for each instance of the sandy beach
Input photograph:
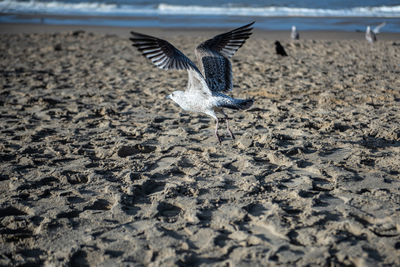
x,y
99,169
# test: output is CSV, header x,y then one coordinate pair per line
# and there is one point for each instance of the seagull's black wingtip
x,y
249,25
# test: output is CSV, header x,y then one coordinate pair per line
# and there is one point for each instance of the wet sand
x,y
99,169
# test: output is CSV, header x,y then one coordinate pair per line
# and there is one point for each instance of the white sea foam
x,y
86,8
83,8
383,11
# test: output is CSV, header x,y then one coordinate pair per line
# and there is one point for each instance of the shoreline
x,y
18,28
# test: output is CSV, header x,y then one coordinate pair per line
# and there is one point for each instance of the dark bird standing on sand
x,y
279,49
204,89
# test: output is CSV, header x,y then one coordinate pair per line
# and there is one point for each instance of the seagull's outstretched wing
x,y
165,56
214,54
228,43
378,28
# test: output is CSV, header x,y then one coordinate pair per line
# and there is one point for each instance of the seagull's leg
x,y
229,130
216,130
227,125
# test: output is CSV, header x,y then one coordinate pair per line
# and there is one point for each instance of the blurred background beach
x,y
307,15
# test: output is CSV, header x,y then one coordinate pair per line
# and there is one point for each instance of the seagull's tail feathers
x,y
237,103
245,103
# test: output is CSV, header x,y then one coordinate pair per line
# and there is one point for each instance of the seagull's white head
x,y
178,97
368,29
293,28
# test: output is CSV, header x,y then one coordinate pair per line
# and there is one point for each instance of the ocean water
x,y
346,15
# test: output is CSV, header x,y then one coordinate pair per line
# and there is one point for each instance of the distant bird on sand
x,y
204,89
279,49
370,35
294,34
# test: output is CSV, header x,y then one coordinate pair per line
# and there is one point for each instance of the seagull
x,y
370,35
294,35
279,49
205,88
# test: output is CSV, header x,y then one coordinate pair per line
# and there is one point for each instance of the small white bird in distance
x,y
370,35
294,34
